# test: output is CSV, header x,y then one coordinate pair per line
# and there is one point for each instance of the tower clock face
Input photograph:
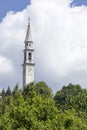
x,y
30,70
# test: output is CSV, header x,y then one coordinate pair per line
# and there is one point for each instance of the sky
x,y
79,2
59,33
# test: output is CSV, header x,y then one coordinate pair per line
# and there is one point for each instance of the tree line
x,y
35,108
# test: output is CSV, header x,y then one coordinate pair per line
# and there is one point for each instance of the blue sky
x,y
80,2
12,5
18,5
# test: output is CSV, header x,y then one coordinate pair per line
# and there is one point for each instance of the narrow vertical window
x,y
29,56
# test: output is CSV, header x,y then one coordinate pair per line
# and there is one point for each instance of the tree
x,y
40,88
3,93
71,96
8,91
33,108
15,90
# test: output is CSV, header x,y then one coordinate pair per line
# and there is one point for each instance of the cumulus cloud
x,y
63,42
59,35
5,65
12,34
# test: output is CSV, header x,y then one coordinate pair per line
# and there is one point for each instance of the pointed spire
x,y
28,34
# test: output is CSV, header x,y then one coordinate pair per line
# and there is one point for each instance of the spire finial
x,y
28,21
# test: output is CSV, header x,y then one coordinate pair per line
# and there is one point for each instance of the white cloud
x,y
63,42
59,35
5,65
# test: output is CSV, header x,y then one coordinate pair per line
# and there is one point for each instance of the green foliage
x,y
71,96
34,108
15,90
3,94
8,91
39,88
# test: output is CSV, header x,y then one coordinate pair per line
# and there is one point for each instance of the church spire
x,y
28,34
28,63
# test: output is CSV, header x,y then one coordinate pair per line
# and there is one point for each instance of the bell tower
x,y
28,64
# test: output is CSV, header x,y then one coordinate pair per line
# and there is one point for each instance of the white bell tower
x,y
28,64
